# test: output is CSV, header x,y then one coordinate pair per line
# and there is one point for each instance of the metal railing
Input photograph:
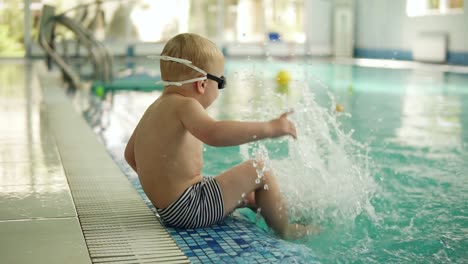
x,y
97,52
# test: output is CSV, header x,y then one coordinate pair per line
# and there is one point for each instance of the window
x,y
248,21
254,20
11,28
433,7
286,19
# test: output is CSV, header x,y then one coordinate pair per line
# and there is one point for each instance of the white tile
x,y
42,172
47,241
28,152
35,201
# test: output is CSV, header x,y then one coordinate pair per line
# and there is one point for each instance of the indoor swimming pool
x,y
379,164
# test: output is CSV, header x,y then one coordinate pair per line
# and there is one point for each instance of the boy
x,y
166,147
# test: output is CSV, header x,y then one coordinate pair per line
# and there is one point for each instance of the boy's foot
x,y
296,231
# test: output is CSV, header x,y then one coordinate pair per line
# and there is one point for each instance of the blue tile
x,y
213,243
240,241
215,258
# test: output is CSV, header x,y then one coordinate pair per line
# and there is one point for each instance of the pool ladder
x,y
97,52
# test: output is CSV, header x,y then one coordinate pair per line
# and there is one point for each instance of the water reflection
x,y
29,160
431,120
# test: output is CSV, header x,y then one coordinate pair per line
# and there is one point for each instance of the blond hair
x,y
195,48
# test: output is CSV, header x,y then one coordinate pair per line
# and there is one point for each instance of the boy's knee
x,y
259,167
257,164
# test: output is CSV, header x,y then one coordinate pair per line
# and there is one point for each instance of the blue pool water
x,y
404,199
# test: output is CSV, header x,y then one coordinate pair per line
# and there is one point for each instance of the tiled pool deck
x,y
39,222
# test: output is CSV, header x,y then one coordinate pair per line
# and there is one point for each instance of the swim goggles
x,y
220,80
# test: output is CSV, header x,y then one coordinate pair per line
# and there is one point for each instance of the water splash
x,y
325,175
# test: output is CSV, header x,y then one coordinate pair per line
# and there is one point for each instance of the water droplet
x,y
258,215
265,187
243,195
257,181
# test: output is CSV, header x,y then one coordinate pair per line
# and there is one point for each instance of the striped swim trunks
x,y
200,205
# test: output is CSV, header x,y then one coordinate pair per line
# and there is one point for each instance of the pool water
x,y
405,200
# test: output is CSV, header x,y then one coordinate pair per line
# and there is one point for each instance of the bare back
x,y
168,158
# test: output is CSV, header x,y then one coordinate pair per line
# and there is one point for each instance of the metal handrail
x,y
102,61
102,58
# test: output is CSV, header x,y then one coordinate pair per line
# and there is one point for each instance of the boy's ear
x,y
200,86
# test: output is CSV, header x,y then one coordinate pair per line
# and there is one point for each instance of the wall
x,y
383,29
318,26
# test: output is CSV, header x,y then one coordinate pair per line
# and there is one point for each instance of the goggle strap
x,y
181,82
182,61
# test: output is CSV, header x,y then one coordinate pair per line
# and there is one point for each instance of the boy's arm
x,y
230,133
130,153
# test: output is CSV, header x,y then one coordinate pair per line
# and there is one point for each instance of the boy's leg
x,y
239,181
248,202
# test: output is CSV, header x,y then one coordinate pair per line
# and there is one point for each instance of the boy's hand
x,y
283,126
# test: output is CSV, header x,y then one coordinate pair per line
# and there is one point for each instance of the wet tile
x,y
8,105
28,124
28,152
14,119
22,138
35,201
42,241
24,134
32,173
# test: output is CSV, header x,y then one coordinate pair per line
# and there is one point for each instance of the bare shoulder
x,y
175,101
165,104
183,105
173,109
